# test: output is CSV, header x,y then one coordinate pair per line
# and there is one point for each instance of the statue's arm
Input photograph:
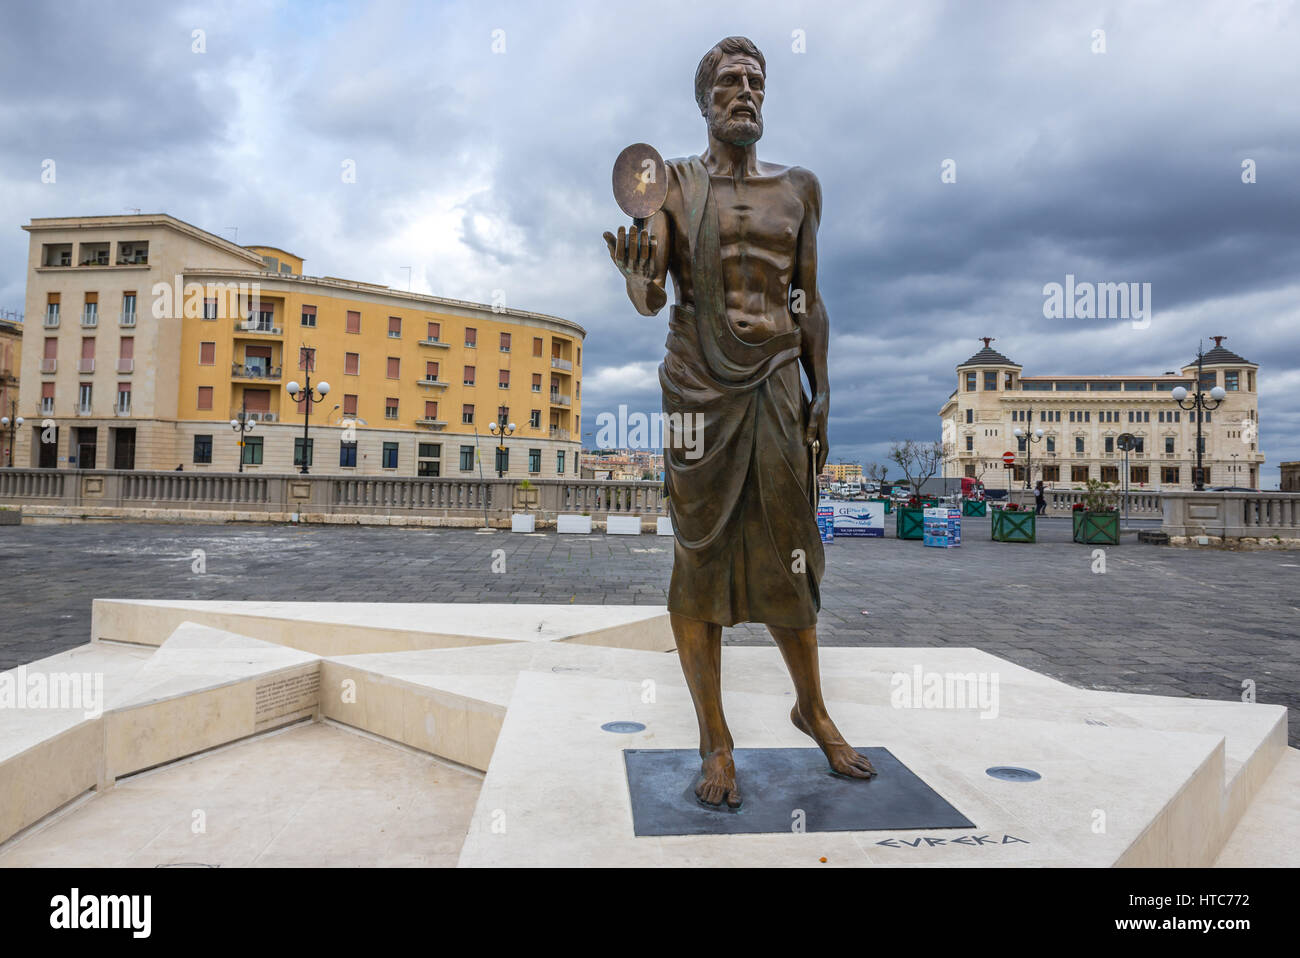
x,y
810,313
642,257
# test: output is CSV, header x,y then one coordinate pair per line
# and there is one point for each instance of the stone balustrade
x,y
326,494
1233,515
1061,502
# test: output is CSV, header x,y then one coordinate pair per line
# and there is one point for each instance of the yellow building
x,y
839,471
11,353
1082,418
157,334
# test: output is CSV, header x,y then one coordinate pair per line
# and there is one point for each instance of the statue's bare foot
x,y
717,780
843,757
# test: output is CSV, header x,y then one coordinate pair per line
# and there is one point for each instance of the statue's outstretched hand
x,y
633,252
818,419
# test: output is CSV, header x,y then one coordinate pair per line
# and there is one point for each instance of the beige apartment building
x,y
1082,418
149,335
839,471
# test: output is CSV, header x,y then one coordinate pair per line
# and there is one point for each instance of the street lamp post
x,y
304,394
242,426
12,422
1201,405
504,429
1030,439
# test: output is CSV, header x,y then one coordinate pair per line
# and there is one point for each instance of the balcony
x,y
252,416
432,383
254,371
259,328
47,406
564,364
126,319
90,319
558,433
435,342
84,411
435,424
126,365
51,319
49,365
85,365
559,400
120,410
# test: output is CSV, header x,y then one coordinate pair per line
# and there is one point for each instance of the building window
x,y
347,454
970,415
466,458
209,308
1008,380
128,309
354,321
349,404
505,342
1078,445
434,332
1169,475
1020,443
307,359
559,461
469,376
537,346
1138,444
390,455
394,327
970,443
394,367
1110,443
123,399
467,414
990,379
503,381
205,397
1110,474
429,469
1139,474
431,372
309,315
1209,380
430,410
430,450
535,419
503,414
203,450
390,408
534,460
351,364
1051,444
1078,473
537,382
503,460
207,354
252,450
471,336
970,382
1169,444
1051,473
298,446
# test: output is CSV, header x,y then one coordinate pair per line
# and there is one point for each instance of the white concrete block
x,y
623,525
523,523
576,524
663,526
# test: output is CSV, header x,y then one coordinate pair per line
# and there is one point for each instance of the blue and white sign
x,y
942,527
826,521
857,518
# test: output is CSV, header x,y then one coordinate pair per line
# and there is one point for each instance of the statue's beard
x,y
737,131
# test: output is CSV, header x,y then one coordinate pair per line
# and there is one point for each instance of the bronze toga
x,y
743,512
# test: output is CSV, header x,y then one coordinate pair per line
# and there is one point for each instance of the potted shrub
x,y
1013,524
525,499
1096,519
909,520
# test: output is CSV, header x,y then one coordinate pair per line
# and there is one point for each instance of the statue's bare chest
x,y
763,214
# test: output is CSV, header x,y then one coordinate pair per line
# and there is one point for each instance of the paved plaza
x,y
1159,620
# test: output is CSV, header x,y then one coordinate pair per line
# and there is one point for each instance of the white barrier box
x,y
663,526
523,522
623,525
580,525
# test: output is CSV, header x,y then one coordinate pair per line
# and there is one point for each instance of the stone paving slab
x,y
1159,620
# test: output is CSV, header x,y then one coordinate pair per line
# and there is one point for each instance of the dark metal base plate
x,y
776,784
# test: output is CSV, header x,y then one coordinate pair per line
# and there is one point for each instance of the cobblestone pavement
x,y
1158,620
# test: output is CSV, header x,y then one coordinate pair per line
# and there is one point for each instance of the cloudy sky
x,y
486,170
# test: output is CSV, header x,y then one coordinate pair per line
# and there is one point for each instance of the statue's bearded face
x,y
735,110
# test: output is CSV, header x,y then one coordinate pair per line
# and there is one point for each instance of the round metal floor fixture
x,y
623,728
1010,773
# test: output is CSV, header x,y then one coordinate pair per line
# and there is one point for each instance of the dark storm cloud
x,y
486,170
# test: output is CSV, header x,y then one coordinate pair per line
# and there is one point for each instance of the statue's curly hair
x,y
709,64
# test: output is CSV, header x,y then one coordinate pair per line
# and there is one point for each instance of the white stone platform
x,y
208,698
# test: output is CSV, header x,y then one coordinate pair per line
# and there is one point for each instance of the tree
x,y
875,472
919,460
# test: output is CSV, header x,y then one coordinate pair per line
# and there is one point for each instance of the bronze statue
x,y
739,238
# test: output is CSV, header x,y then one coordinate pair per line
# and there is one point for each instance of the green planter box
x,y
1096,528
909,523
1013,526
974,507
889,504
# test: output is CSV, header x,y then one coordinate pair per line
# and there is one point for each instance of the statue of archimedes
x,y
743,444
